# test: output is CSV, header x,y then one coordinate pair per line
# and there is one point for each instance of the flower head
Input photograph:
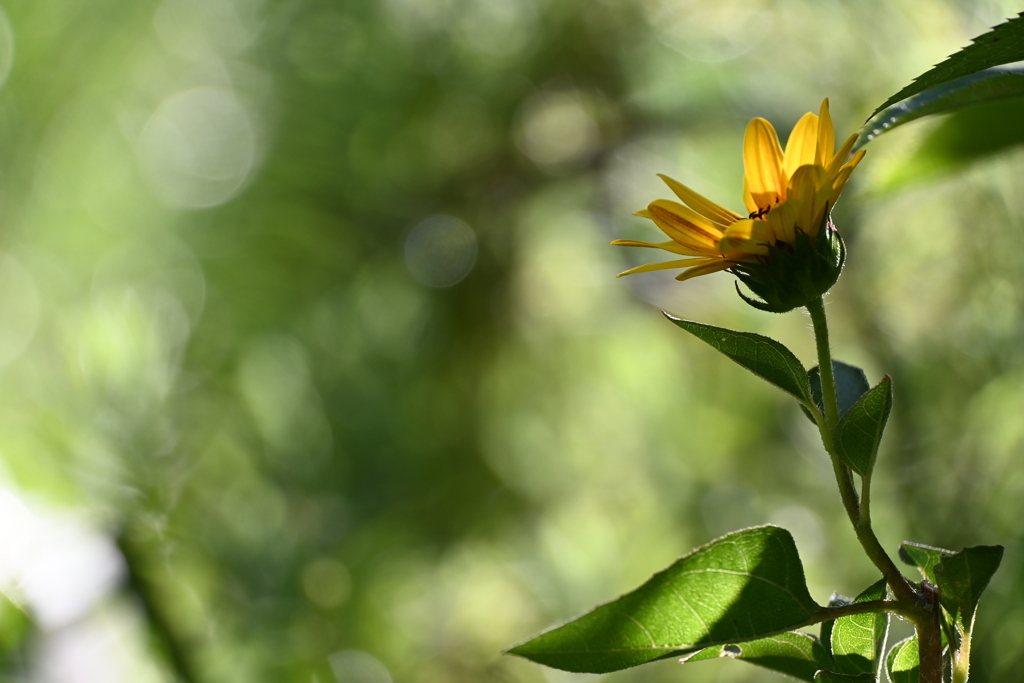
x,y
785,247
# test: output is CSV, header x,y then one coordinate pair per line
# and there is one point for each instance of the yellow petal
x,y
698,203
748,199
668,265
642,212
783,218
810,186
762,163
671,246
837,161
802,144
685,226
826,136
747,236
704,270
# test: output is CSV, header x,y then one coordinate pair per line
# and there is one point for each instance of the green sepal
x,y
851,384
765,357
858,641
904,662
859,431
792,275
795,654
743,586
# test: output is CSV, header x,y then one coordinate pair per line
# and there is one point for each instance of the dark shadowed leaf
x,y
860,430
903,662
1002,45
795,654
743,586
851,383
858,641
762,355
963,576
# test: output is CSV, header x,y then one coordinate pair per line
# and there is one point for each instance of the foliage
x,y
705,604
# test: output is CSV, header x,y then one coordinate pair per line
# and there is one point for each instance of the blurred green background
x,y
313,365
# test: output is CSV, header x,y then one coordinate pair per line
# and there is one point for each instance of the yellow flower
x,y
786,193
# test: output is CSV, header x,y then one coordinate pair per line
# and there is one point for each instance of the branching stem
x,y
922,612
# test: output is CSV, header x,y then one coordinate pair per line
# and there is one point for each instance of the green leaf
x,y
795,654
765,357
963,576
832,677
924,557
858,641
990,85
903,662
860,430
961,138
1002,45
851,383
743,586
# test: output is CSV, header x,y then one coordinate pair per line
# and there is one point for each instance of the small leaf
x,y
983,87
765,357
860,431
851,383
904,662
744,586
924,557
963,576
858,641
795,654
832,677
1002,45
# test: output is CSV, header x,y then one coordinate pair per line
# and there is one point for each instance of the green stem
x,y
856,510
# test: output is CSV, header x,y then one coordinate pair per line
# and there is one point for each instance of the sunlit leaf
x,y
924,557
858,641
795,654
743,586
762,355
984,87
851,383
832,677
903,662
860,431
1002,45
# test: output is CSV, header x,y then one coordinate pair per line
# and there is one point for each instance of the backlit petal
x,y
704,270
669,265
762,163
837,161
698,203
811,186
802,144
671,246
783,218
747,236
685,226
748,199
826,136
